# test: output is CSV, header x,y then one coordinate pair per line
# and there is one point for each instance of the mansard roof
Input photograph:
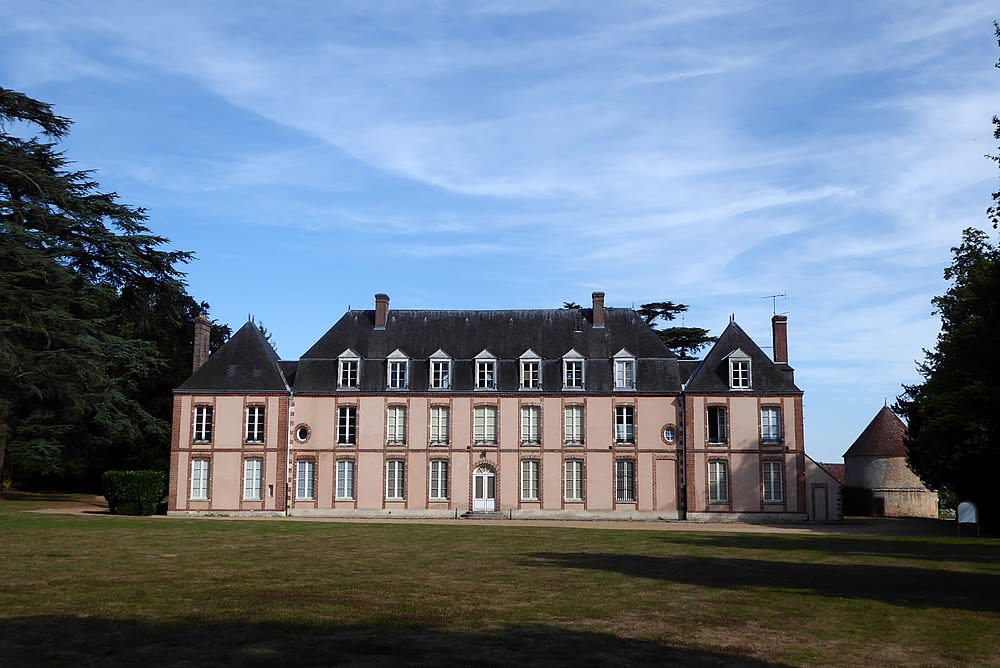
x,y
885,436
246,363
712,375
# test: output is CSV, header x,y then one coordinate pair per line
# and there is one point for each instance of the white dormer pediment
x,y
397,354
573,355
486,355
623,354
530,354
738,354
440,355
349,355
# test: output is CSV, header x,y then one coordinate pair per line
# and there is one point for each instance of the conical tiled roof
x,y
246,363
883,437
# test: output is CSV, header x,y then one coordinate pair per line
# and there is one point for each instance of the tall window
x,y
440,374
574,480
739,373
718,482
716,424
347,425
770,425
252,472
397,374
531,374
625,374
624,424
485,425
531,417
202,424
573,374
394,478
625,481
199,479
529,480
771,478
347,373
439,480
486,374
345,480
305,480
255,424
573,424
395,426
439,425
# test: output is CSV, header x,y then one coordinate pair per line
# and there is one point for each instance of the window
x,y
305,479
718,482
531,378
485,425
770,425
347,372
529,480
439,480
347,425
255,424
574,480
252,471
530,425
573,371
202,424
771,479
395,427
199,479
716,424
573,419
398,364
625,481
439,425
624,424
440,374
486,374
394,474
739,370
345,479
624,370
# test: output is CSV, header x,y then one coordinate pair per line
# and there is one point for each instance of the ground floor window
x,y
305,480
771,479
345,480
199,479
529,480
439,480
574,480
625,481
394,477
252,471
718,482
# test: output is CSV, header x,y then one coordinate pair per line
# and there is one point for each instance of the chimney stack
x,y
779,331
381,310
202,336
599,313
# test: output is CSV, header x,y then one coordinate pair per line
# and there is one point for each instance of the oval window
x,y
302,433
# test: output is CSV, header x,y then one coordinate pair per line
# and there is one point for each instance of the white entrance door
x,y
484,490
820,503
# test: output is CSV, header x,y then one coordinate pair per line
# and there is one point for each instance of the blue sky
x,y
523,154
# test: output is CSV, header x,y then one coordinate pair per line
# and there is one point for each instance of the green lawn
x,y
102,590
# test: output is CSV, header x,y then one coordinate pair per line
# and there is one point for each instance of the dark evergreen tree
x,y
683,341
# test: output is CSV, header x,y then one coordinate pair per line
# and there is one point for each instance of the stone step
x,y
484,515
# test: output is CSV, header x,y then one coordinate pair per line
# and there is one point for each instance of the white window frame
x,y
440,374
440,425
347,425
625,366
305,480
346,469
739,371
718,481
625,481
772,481
531,371
484,425
721,427
348,370
486,371
573,425
395,480
397,370
253,474
530,470
254,427
438,480
201,469
203,422
531,425
625,424
573,479
770,424
395,425
574,371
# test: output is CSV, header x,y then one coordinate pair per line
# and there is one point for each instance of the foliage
x,y
858,501
683,341
571,305
134,492
994,211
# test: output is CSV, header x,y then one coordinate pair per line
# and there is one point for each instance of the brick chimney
x,y
202,335
381,310
779,331
599,313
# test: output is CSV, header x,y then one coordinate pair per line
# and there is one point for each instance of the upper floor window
x,y
395,427
770,424
440,371
202,424
255,424
717,428
573,425
485,425
439,425
573,371
531,417
624,424
531,371
348,365
398,366
771,480
624,370
486,371
347,425
739,370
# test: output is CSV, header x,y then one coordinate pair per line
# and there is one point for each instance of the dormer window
x,y
739,370
624,370
531,371
486,371
573,371
348,366
440,371
398,365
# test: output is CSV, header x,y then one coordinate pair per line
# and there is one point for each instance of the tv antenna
x,y
774,301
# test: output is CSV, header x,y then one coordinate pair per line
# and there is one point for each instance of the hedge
x,y
134,492
858,501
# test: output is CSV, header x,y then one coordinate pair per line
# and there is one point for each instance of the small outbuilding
x,y
877,461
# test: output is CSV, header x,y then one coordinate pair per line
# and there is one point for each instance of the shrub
x,y
134,492
858,501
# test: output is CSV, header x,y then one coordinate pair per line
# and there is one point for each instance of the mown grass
x,y
104,590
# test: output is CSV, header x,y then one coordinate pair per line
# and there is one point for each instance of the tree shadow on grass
x,y
899,585
42,641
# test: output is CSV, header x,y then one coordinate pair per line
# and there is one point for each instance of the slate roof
x,y
883,437
765,375
506,334
246,363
